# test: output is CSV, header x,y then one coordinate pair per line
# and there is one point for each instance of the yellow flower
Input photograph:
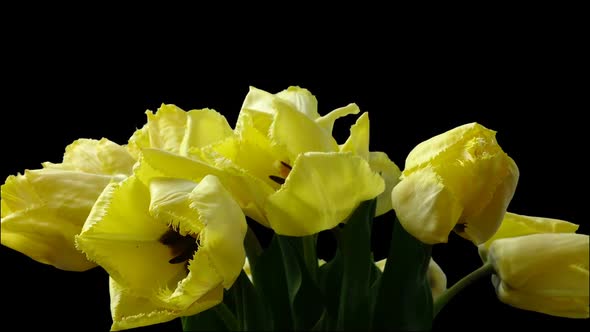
x,y
299,180
173,130
546,273
460,180
43,209
518,225
169,248
436,277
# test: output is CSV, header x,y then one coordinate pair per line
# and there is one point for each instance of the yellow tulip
x,y
460,180
299,180
169,248
43,209
436,277
518,225
173,130
546,273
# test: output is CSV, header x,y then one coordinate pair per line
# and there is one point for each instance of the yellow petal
x,y
380,163
327,121
298,133
204,127
302,100
46,208
250,192
221,229
440,144
130,310
517,260
560,306
425,207
518,225
358,141
174,130
545,272
481,226
122,237
96,157
322,190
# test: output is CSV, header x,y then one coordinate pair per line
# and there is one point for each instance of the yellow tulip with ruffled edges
x,y
170,248
546,273
300,180
43,209
459,180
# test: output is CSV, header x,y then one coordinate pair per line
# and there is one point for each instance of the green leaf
x,y
305,297
270,281
243,299
404,298
357,267
207,320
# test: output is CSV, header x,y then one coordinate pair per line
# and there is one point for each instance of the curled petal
x,y
358,141
122,237
130,310
380,163
322,190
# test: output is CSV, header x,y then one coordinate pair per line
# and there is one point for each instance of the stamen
x,y
170,238
186,254
277,179
286,165
183,247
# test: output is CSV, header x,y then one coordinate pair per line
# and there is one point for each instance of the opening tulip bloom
x,y
169,249
44,209
460,180
546,273
302,181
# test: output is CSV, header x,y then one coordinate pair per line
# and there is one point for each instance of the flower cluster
x,y
166,216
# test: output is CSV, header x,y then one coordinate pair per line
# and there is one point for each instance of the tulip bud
x,y
460,180
546,273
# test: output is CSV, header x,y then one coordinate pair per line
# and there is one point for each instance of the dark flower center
x,y
183,248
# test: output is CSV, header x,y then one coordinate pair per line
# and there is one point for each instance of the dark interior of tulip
x,y
182,247
284,169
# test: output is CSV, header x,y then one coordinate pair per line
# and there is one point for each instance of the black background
x,y
524,82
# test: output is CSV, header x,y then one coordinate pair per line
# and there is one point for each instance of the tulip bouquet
x,y
169,216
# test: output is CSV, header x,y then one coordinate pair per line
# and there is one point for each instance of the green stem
x,y
228,318
485,270
310,255
252,246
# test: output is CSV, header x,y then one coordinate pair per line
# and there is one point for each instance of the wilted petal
x,y
322,190
327,121
130,310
